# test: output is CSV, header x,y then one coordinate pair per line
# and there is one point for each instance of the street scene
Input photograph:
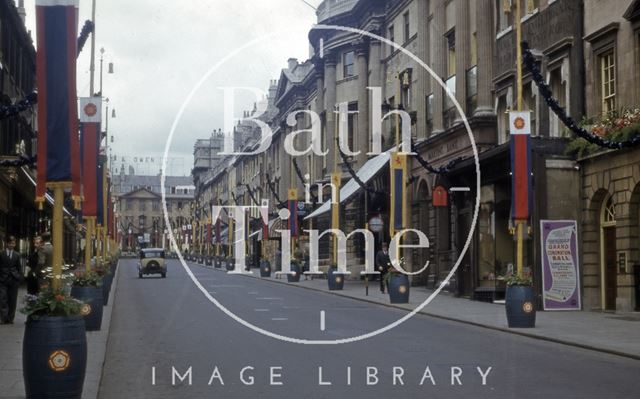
x,y
351,198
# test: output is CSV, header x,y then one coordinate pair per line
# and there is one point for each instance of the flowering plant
x,y
51,303
516,279
616,126
392,271
87,279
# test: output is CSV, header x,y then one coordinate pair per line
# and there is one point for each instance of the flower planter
x,y
265,268
208,261
398,287
217,262
520,306
335,279
294,276
54,357
92,310
231,264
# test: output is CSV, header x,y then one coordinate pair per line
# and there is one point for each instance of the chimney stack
x,y
293,62
21,11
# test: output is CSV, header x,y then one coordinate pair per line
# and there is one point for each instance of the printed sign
x,y
560,265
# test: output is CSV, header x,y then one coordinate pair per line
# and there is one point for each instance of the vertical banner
x,y
58,144
398,192
209,236
264,217
90,114
336,181
292,204
560,265
218,236
521,179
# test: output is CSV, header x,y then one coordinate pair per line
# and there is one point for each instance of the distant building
x,y
139,212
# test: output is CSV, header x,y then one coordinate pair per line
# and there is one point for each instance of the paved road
x,y
161,325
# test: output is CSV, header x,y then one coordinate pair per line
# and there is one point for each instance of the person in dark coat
x,y
382,263
36,265
10,277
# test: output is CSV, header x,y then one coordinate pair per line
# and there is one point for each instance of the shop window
x,y
352,125
142,206
451,53
607,81
392,37
348,67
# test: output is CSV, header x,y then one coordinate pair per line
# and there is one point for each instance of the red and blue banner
x,y
90,145
521,177
292,204
58,144
218,235
398,192
99,197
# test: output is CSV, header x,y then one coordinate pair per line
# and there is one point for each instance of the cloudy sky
x,y
161,49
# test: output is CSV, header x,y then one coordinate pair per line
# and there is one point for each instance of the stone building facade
x,y
610,190
139,211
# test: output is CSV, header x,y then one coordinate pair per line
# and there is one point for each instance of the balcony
x,y
332,8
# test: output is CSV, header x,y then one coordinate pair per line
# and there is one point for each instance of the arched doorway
x,y
608,265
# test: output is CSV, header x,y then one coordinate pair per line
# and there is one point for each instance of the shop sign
x,y
560,265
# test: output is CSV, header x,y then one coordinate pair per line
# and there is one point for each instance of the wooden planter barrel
x,y
54,357
265,268
92,310
335,279
520,306
398,287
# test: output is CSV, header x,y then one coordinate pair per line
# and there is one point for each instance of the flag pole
x,y
57,233
519,223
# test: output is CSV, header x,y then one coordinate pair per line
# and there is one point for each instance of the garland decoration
x,y
251,194
314,197
353,174
87,28
530,63
280,204
20,161
443,170
29,101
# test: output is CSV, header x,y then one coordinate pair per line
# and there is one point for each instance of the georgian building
x,y
139,213
610,180
18,215
470,46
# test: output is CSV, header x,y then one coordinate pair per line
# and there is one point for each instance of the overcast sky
x,y
161,49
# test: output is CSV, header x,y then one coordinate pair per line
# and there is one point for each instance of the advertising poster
x,y
560,266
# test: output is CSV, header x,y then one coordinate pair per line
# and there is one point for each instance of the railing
x,y
330,8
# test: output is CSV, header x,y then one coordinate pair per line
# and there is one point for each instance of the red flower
x,y
59,298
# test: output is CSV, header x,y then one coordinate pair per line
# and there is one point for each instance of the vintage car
x,y
152,261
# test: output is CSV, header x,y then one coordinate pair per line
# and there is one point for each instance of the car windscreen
x,y
152,254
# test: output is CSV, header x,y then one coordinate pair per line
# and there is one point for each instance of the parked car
x,y
152,261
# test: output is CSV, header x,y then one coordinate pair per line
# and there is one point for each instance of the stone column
x,y
463,39
362,138
439,64
485,39
422,79
329,104
319,65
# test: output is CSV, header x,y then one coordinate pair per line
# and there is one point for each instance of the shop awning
x,y
366,173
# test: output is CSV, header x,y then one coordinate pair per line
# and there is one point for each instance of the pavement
x,y
613,333
11,380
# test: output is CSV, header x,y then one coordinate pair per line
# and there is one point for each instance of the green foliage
x,y
51,303
87,279
618,126
515,279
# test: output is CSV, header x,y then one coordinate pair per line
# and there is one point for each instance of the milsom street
x,y
319,199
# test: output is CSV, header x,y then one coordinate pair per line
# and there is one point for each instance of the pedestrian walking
x,y
10,277
382,263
